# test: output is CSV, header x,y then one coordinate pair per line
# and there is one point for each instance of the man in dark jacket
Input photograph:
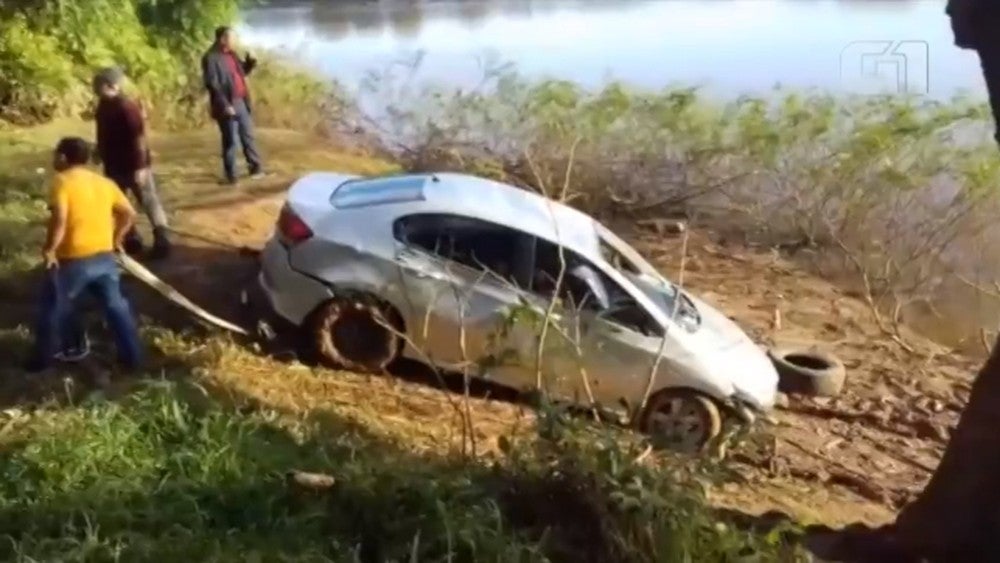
x,y
976,24
225,75
122,147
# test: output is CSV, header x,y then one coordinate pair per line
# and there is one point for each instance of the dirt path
x,y
857,457
861,455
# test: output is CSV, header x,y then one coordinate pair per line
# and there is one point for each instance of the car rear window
x,y
378,191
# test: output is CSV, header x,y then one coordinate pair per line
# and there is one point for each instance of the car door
x,y
458,300
617,357
601,357
562,362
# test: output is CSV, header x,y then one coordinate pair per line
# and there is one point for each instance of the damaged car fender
x,y
688,372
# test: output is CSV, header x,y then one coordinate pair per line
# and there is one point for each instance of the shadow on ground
x,y
213,278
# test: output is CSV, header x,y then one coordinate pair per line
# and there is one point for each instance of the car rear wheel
x,y
357,333
681,420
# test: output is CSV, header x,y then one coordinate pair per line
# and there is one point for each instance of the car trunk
x,y
309,197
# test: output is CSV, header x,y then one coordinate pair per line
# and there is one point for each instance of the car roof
x,y
478,198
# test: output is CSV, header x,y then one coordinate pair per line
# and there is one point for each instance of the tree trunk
x,y
955,518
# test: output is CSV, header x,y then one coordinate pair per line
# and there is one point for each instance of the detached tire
x,y
349,332
810,372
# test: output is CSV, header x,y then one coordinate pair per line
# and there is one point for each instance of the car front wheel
x,y
681,420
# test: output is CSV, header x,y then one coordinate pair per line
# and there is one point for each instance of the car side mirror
x,y
586,283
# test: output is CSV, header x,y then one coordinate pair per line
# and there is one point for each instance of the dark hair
x,y
75,150
221,31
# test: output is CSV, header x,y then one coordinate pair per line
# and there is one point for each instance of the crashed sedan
x,y
466,274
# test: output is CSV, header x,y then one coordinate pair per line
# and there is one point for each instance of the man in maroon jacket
x,y
122,147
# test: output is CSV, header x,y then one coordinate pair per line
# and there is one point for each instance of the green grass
x,y
168,473
161,476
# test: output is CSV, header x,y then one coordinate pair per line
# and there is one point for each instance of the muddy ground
x,y
857,457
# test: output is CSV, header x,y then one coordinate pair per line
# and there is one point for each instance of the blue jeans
x,y
238,126
58,324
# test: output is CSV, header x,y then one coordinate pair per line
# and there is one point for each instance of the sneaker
x,y
76,353
257,174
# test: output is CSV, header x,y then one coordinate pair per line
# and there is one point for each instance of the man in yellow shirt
x,y
89,219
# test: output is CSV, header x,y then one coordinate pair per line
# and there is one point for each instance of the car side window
x,y
624,309
545,276
479,245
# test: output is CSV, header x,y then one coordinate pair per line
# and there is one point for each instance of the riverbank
x,y
858,457
187,460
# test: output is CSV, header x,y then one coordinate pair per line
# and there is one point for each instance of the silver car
x,y
466,274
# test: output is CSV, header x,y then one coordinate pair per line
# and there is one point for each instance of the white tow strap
x,y
133,267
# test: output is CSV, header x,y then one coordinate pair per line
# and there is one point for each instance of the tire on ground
x,y
809,372
705,410
350,332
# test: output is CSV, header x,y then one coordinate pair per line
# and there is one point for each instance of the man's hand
x,y
50,260
249,63
230,111
141,177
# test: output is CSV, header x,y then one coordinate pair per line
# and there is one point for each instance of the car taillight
x,y
292,228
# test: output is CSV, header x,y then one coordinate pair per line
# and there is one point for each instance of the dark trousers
x,y
238,126
58,324
989,58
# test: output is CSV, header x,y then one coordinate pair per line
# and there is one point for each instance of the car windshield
x,y
623,257
628,262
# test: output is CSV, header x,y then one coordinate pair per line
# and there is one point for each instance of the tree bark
x,y
955,518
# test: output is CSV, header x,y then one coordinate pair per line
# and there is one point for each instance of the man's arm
x,y
124,215
56,231
102,138
213,82
249,64
137,128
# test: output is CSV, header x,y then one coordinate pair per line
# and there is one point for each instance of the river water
x,y
730,47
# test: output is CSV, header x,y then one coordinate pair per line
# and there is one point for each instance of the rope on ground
x,y
145,276
241,249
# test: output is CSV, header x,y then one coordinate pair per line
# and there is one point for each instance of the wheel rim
x,y
680,424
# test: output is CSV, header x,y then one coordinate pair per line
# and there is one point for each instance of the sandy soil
x,y
857,457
